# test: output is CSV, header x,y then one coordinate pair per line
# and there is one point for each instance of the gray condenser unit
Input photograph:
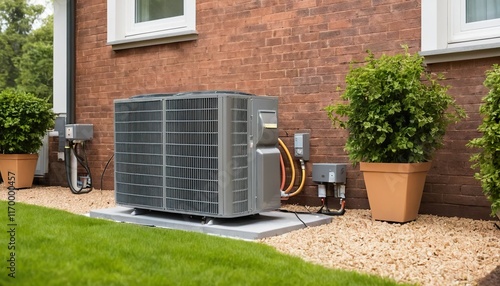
x,y
211,154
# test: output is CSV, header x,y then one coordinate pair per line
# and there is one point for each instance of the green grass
x,y
54,247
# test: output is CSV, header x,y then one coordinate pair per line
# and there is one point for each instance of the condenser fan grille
x,y
138,154
191,155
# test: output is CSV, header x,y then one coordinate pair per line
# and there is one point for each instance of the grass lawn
x,y
54,247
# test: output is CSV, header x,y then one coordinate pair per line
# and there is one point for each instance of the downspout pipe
x,y
70,160
71,60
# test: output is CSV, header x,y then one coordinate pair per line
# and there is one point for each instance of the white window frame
x,y
124,32
460,31
446,37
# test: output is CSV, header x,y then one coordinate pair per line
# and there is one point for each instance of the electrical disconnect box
x,y
301,146
324,173
80,132
329,173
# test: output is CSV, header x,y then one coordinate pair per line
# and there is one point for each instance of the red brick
x,y
264,47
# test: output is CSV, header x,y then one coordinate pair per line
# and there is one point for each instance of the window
x,y
473,20
482,10
150,10
460,29
135,23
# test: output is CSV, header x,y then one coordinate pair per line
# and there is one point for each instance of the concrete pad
x,y
252,227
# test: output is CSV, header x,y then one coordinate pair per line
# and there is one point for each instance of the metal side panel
x,y
264,154
267,179
42,165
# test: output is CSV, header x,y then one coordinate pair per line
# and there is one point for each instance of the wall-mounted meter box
x,y
80,132
301,146
329,173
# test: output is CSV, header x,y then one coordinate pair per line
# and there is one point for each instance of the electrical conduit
x,y
283,173
292,166
302,181
286,193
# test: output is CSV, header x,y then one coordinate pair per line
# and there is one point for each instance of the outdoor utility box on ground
x,y
329,173
211,153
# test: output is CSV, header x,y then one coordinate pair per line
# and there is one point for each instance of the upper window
x,y
133,23
476,11
473,20
461,27
150,10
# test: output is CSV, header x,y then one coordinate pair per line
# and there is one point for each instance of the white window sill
x,y
153,40
461,53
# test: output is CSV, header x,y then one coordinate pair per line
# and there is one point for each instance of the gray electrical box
x,y
301,146
81,132
329,173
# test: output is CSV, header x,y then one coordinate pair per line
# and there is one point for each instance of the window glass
x,y
455,30
482,10
149,10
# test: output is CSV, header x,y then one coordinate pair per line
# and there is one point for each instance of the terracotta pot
x,y
394,189
18,170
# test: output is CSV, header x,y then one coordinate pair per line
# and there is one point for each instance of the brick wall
x,y
297,50
451,188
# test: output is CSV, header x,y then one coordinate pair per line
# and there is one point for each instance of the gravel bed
x,y
432,250
62,198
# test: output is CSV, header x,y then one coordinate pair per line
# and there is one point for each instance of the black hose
x,y
83,161
327,211
341,211
300,219
296,214
105,167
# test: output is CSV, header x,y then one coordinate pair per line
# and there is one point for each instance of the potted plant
x,y
396,116
24,120
488,158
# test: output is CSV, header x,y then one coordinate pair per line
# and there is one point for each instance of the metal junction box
x,y
79,131
329,173
301,146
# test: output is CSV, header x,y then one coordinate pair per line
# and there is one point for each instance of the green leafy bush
x,y
488,159
396,111
24,119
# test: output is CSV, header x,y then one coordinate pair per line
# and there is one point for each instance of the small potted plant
x,y
488,158
396,115
24,120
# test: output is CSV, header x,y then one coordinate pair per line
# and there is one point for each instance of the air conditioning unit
x,y
210,154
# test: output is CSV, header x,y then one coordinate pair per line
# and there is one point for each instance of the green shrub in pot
x,y
396,115
488,158
24,120
396,111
